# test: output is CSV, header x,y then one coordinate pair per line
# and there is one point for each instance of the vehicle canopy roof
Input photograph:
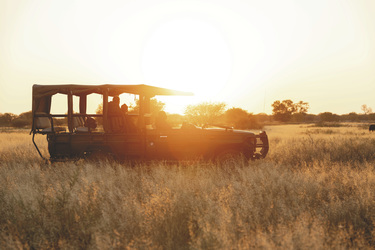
x,y
113,89
42,93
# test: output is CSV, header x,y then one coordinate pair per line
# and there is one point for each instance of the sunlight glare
x,y
188,55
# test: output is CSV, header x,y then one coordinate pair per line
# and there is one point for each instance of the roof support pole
x,y
82,104
105,110
141,121
70,111
147,111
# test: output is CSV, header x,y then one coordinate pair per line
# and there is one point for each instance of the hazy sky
x,y
245,53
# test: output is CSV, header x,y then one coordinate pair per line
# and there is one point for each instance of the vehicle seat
x,y
116,124
79,124
43,124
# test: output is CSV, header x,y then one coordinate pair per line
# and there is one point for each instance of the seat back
x,y
78,121
116,124
79,124
42,122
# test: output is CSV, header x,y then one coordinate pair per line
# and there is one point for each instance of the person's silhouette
x,y
161,121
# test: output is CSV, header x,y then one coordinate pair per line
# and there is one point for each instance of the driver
x,y
161,121
114,106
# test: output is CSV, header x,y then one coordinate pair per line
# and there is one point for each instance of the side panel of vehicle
x,y
176,144
193,144
170,144
76,145
220,142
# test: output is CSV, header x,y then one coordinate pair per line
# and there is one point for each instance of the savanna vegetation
x,y
285,111
313,191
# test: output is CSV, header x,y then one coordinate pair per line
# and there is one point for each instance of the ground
x,y
313,190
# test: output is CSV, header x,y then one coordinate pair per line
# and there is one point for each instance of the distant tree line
x,y
202,114
288,111
285,111
18,121
217,114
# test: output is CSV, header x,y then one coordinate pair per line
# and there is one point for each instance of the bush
x,y
21,123
328,124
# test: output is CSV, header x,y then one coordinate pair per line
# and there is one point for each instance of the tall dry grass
x,y
314,190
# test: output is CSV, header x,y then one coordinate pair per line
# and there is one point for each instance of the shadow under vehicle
x,y
131,136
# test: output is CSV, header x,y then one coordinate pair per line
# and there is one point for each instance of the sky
x,y
244,53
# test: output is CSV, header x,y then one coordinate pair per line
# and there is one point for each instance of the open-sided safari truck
x,y
130,136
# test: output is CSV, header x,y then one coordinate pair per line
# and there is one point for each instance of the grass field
x,y
314,190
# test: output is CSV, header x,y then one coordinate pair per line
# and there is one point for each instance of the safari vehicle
x,y
137,139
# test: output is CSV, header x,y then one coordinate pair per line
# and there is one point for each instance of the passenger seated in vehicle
x,y
90,123
114,106
128,124
115,116
124,109
161,121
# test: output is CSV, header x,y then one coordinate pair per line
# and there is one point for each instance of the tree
x,y
352,116
241,119
155,107
366,110
328,117
204,113
6,119
23,120
99,109
301,107
283,111
263,118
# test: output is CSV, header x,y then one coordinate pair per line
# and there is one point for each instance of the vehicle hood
x,y
223,130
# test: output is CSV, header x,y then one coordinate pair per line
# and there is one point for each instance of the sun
x,y
189,55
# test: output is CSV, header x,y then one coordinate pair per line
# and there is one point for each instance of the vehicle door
x,y
177,144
